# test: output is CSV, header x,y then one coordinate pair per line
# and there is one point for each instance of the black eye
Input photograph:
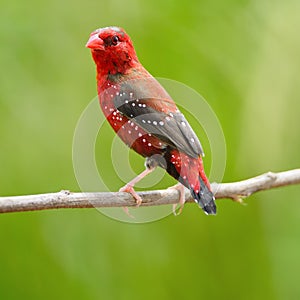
x,y
115,40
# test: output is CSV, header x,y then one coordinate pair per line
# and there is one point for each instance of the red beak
x,y
95,42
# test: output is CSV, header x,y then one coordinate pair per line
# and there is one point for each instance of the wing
x,y
157,115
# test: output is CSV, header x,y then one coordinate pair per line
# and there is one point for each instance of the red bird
x,y
146,118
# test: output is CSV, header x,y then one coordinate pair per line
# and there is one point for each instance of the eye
x,y
115,40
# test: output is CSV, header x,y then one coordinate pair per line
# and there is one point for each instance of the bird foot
x,y
178,187
129,189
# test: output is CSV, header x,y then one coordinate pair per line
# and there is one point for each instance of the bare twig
x,y
65,199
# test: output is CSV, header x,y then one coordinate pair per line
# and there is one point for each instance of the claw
x,y
126,210
179,187
129,189
174,208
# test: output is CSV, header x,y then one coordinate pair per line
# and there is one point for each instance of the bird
x,y
146,118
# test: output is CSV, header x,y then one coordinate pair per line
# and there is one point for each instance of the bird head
x,y
112,50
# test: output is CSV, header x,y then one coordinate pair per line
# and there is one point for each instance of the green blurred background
x,y
243,57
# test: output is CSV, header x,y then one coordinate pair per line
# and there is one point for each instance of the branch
x,y
65,199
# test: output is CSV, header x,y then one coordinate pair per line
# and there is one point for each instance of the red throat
x,y
112,63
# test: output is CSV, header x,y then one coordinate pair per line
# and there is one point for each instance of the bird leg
x,y
128,188
179,187
150,164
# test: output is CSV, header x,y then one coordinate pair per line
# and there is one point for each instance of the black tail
x,y
205,198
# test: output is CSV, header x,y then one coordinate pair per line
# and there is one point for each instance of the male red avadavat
x,y
146,118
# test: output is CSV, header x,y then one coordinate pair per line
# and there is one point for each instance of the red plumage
x,y
145,117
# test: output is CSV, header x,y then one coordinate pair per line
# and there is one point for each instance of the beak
x,y
95,42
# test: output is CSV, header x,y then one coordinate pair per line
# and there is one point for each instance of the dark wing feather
x,y
172,128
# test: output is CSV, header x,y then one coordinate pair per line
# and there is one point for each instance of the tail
x,y
204,198
190,172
